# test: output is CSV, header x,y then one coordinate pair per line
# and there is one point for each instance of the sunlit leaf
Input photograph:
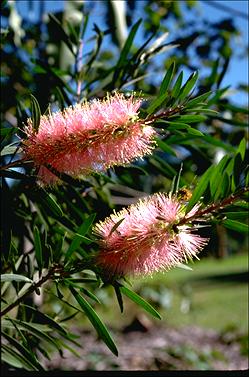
x,y
15,277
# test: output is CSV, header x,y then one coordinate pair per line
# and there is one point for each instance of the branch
x,y
33,288
213,207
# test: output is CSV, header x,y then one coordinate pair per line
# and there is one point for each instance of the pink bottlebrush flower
x,y
89,137
145,238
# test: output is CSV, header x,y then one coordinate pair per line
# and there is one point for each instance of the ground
x,y
157,348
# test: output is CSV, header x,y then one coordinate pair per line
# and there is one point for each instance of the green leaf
x,y
185,90
243,215
140,301
27,354
44,318
193,131
200,188
38,248
72,283
51,203
82,230
242,148
95,320
236,225
218,143
36,113
177,87
189,118
39,331
115,226
165,147
199,99
119,297
13,358
167,79
14,277
157,103
62,35
125,50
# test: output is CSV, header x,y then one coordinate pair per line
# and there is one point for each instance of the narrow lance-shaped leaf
x,y
167,79
119,297
38,248
14,358
28,356
115,226
45,319
140,301
126,49
83,229
236,225
200,188
51,203
188,86
15,277
199,99
95,320
242,148
177,87
157,103
36,113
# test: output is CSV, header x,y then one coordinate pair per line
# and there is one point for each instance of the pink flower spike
x,y
145,238
89,137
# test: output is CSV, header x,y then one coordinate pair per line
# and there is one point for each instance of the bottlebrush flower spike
x,y
145,238
89,137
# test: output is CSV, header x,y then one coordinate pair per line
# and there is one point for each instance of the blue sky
x,y
238,68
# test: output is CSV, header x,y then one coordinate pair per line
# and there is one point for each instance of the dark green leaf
x,y
36,113
189,118
177,126
177,87
62,35
188,86
126,49
38,248
200,188
140,301
193,131
157,103
243,215
29,356
116,225
165,147
82,230
199,99
12,174
44,318
242,148
95,320
236,225
119,297
51,203
15,359
37,330
167,79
